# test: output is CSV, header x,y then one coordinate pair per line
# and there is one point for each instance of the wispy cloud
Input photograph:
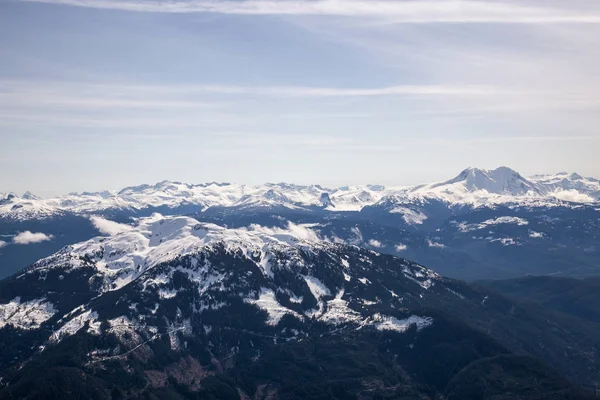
x,y
300,91
107,94
509,139
298,231
393,11
108,227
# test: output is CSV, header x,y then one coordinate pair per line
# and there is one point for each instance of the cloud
x,y
28,237
301,91
297,231
400,247
392,11
573,196
375,243
434,244
2,243
109,227
105,95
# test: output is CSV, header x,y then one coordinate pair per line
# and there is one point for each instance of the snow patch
x,y
267,301
385,323
167,293
317,288
410,216
75,324
338,311
26,315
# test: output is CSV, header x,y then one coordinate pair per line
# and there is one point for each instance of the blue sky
x,y
101,94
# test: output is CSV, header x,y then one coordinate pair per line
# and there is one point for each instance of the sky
x,y
102,94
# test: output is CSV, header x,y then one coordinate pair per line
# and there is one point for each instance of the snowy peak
x,y
471,186
30,196
502,180
6,198
326,200
480,186
570,187
133,250
284,272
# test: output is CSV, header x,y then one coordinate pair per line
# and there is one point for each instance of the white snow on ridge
x,y
77,323
354,198
26,315
176,194
127,254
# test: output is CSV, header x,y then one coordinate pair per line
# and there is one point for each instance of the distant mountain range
x,y
472,186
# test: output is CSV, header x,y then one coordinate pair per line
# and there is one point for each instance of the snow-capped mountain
x,y
570,187
139,253
186,198
354,198
421,222
172,303
472,186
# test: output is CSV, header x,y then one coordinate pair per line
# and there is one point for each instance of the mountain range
x,y
171,307
473,186
480,224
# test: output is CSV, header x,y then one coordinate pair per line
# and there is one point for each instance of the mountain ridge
x,y
220,301
472,186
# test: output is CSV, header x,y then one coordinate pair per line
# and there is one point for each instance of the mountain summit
x,y
499,181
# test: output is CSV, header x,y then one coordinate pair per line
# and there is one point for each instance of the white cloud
x,y
400,247
301,91
392,11
573,195
177,96
434,244
109,227
298,231
2,243
358,235
535,235
28,237
375,243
